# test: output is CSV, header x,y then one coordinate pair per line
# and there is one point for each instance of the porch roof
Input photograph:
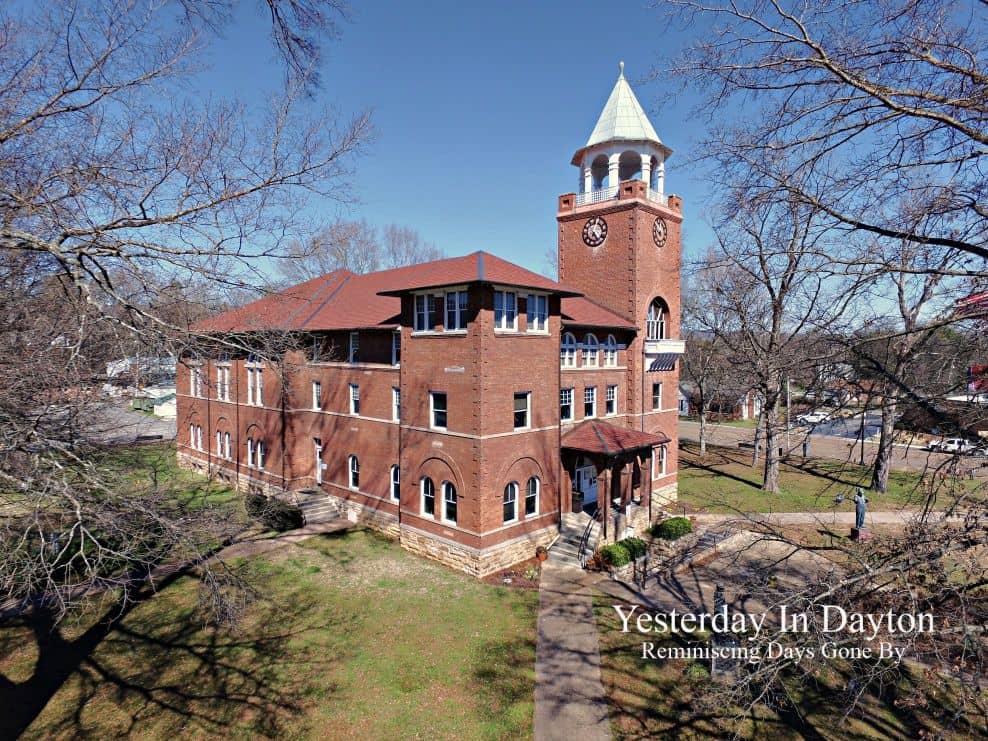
x,y
595,436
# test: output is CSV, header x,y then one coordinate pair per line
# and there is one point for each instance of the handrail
x,y
585,540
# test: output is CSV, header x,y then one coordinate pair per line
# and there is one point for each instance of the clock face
x,y
595,231
659,232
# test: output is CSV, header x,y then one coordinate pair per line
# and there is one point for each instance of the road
x,y
850,427
112,423
904,458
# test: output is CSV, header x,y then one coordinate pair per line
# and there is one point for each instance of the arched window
x,y
532,496
192,436
449,502
591,350
219,444
610,352
260,454
428,496
198,437
226,446
629,166
250,452
567,353
511,502
354,466
598,171
395,482
655,322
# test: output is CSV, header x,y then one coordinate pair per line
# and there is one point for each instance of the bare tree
x,y
119,197
356,246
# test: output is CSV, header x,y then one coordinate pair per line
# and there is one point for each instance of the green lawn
x,y
666,698
725,481
349,637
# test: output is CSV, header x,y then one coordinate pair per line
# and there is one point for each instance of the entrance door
x,y
320,466
586,481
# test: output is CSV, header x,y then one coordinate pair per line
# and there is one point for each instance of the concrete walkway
x,y
892,517
569,696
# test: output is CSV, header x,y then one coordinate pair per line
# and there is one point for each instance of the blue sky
x,y
478,108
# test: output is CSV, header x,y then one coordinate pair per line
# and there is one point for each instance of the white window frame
x,y
317,395
512,488
199,437
354,347
610,401
422,496
572,411
501,324
255,381
259,452
659,461
250,452
655,321
317,453
423,310
196,381
395,404
657,397
537,497
445,487
590,397
219,444
223,383
227,447
355,399
395,482
528,409
452,300
396,347
353,472
610,352
537,308
591,351
432,410
250,386
567,351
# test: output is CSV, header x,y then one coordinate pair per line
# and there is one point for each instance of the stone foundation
x,y
620,525
474,561
244,483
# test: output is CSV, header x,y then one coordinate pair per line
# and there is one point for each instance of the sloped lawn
x,y
348,637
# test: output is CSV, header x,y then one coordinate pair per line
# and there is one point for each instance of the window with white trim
x,y
456,311
354,399
610,352
656,396
219,444
227,449
437,410
353,466
567,351
510,502
195,381
523,402
505,311
424,312
255,381
532,496
565,404
655,321
259,450
395,483
538,312
250,452
590,401
395,403
198,437
316,395
449,502
659,461
611,400
591,350
223,382
354,351
396,347
428,496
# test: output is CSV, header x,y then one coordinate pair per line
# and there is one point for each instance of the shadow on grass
x,y
158,667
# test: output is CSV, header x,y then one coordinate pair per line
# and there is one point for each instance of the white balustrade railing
x,y
607,194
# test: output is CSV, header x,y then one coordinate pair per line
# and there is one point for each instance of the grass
x,y
666,698
350,637
725,481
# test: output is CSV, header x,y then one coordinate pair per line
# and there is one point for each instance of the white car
x,y
812,418
953,445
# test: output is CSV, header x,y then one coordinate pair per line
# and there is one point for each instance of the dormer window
x,y
591,350
567,352
425,309
610,352
456,311
505,311
538,312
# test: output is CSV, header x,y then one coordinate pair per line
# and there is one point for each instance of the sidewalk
x,y
569,696
897,517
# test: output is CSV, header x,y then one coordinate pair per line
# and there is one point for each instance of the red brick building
x,y
470,407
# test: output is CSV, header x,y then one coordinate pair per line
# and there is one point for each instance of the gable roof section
x,y
595,436
345,300
580,311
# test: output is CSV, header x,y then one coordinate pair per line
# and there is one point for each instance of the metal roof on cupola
x,y
622,120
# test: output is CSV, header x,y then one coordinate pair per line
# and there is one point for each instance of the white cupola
x,y
623,146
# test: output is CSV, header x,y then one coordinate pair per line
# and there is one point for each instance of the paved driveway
x,y
112,423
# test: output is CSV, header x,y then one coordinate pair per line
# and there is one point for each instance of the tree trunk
x,y
703,432
883,457
771,445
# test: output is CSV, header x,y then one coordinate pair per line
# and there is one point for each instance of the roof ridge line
x,y
603,442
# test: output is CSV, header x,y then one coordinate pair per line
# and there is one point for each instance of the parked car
x,y
812,418
953,445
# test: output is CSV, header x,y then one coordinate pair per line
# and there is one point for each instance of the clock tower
x,y
619,244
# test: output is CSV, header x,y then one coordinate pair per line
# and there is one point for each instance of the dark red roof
x,y
595,436
582,311
345,300
976,303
